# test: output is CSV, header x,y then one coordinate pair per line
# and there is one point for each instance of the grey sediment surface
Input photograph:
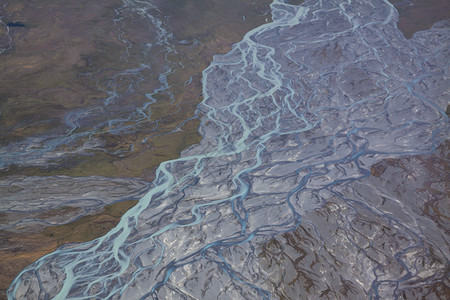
x,y
21,196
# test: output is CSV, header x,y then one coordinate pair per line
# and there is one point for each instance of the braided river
x,y
272,202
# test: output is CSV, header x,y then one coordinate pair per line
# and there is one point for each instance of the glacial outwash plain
x,y
193,149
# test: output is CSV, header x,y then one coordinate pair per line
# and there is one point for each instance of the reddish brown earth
x,y
39,84
20,248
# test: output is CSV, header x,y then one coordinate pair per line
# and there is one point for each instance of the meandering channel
x,y
295,114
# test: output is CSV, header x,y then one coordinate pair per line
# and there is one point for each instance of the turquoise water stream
x,y
294,115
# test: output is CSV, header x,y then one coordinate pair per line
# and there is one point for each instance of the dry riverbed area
x,y
63,60
60,59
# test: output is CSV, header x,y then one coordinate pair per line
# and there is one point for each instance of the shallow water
x,y
294,116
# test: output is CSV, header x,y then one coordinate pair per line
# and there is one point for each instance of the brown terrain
x,y
40,83
421,15
42,80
